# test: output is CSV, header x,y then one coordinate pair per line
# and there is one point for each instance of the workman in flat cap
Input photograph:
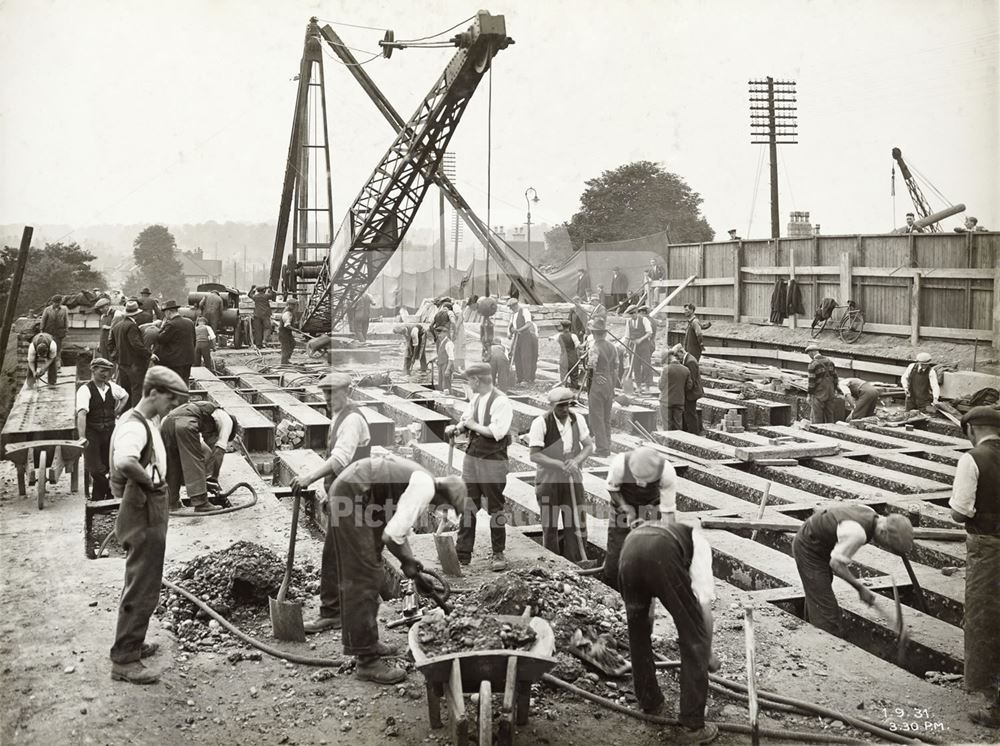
x,y
55,320
348,441
560,443
177,340
196,435
975,502
98,404
602,364
43,359
861,397
642,485
260,322
126,349
920,383
822,386
375,502
414,345
825,545
488,420
138,472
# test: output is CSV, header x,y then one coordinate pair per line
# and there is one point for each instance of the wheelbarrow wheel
x,y
40,478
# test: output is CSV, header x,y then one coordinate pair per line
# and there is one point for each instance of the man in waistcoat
x,y
414,344
824,546
975,501
487,419
642,485
920,383
98,404
176,342
191,461
560,443
861,396
639,333
126,348
375,502
602,360
349,440
822,386
138,469
286,323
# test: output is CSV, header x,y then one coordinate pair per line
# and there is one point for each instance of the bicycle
x,y
851,324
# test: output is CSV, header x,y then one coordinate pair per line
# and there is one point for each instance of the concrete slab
x,y
316,424
872,474
758,411
921,436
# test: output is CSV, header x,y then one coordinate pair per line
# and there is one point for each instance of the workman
x,y
656,270
414,344
975,501
825,545
151,334
582,282
639,332
55,320
285,326
568,355
445,363
911,224
138,468
211,307
204,343
670,561
487,335
488,420
149,309
602,361
260,322
108,313
43,357
822,386
524,342
376,501
127,350
361,316
441,323
560,443
675,387
176,342
189,460
619,289
693,335
920,383
642,484
500,370
458,335
578,319
348,441
98,404
861,396
692,422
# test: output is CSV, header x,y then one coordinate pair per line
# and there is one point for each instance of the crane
x,y
925,218
332,273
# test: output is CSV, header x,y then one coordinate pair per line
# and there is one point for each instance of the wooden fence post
x,y
915,310
846,280
792,318
996,310
737,287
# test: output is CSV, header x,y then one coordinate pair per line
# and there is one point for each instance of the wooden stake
x,y
760,510
751,672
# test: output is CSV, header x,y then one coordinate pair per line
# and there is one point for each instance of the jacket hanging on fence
x,y
779,308
793,299
824,311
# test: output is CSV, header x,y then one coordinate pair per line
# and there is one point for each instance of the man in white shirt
x,y
920,383
560,443
43,358
445,363
138,469
285,325
671,562
487,419
98,404
414,340
642,485
348,441
375,502
191,461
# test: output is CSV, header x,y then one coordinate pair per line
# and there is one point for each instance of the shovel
x,y
286,616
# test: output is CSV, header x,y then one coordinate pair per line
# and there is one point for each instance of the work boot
x,y
385,650
705,734
133,673
149,649
499,563
321,624
377,670
205,508
988,716
464,559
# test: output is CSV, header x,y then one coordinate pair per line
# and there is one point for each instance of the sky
x,y
180,112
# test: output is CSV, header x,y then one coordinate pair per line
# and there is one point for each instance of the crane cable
x,y
489,170
756,188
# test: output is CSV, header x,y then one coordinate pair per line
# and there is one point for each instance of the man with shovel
x,y
560,442
824,546
377,501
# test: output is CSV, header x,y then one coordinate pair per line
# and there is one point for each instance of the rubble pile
x,y
288,434
236,582
456,633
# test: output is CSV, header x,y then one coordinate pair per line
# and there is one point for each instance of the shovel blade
x,y
286,620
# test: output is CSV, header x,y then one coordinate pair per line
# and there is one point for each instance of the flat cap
x,y
512,301
981,416
561,394
923,357
597,325
163,378
630,309
899,533
478,370
102,302
101,362
335,380
811,347
55,299
677,349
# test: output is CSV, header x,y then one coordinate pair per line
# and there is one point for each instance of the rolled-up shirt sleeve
x,y
536,435
501,417
412,503
352,434
616,473
963,490
224,424
668,489
702,580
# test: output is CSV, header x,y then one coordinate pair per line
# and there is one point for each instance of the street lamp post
x,y
529,200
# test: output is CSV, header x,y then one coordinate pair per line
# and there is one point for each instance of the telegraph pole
x,y
772,123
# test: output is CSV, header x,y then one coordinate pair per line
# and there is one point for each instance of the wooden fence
x,y
940,285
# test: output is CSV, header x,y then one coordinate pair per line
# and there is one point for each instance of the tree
x,y
159,269
558,245
635,200
56,269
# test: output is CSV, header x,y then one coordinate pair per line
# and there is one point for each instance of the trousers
x,y
413,353
329,574
692,423
95,461
618,532
356,568
485,479
130,378
257,328
555,502
822,410
187,460
822,609
982,606
671,417
864,405
600,399
287,342
141,529
652,567
203,355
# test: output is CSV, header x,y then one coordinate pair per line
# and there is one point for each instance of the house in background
x,y
198,270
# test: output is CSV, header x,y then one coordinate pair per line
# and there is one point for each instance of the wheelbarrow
x,y
482,672
43,461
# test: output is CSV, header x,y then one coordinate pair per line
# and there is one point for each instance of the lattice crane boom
x,y
920,204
